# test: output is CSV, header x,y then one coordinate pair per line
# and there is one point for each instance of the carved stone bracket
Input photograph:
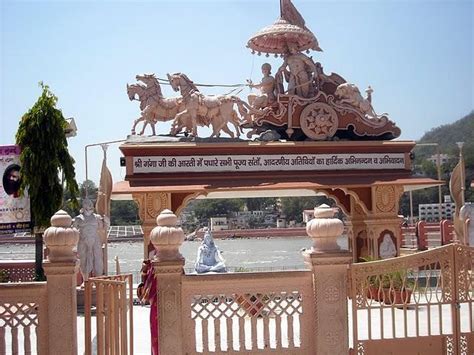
x,y
149,207
386,197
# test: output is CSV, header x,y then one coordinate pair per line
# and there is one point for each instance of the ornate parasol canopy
x,y
288,30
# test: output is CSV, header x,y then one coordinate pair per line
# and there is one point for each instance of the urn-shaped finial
x,y
166,237
61,238
324,229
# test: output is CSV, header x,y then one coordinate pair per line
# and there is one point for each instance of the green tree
x,y
123,213
87,185
293,207
204,209
44,157
259,203
88,188
429,169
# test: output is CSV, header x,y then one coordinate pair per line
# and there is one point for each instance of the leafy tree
x,y
88,188
44,156
293,207
124,213
204,209
87,185
260,203
429,169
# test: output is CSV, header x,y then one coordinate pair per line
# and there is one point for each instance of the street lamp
x,y
103,144
71,129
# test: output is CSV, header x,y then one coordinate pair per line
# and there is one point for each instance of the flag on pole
x,y
102,205
457,193
105,190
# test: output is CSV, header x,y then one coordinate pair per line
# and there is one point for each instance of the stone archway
x,y
366,179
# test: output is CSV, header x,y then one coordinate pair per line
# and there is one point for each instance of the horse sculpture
x,y
202,110
154,107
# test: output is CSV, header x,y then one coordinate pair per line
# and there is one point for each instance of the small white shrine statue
x,y
209,258
467,211
387,248
91,228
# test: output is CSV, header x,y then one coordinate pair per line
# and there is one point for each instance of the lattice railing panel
x,y
23,318
18,315
18,270
225,320
246,305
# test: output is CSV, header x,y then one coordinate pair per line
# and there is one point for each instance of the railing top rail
x,y
247,275
23,285
112,277
22,291
106,281
418,259
4,263
239,282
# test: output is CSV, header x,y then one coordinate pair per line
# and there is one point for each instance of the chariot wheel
x,y
319,121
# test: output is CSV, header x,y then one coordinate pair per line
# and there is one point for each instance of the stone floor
x,y
141,331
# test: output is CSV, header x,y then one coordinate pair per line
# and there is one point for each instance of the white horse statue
x,y
202,110
155,108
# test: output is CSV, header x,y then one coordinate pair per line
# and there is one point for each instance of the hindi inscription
x,y
228,163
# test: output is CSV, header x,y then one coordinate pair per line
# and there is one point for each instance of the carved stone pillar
x,y
384,220
329,265
168,267
369,228
60,269
150,205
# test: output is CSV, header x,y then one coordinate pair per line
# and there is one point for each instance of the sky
x,y
417,56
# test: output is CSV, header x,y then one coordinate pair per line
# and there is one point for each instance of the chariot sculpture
x,y
300,103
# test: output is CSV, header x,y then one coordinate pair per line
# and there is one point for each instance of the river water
x,y
256,254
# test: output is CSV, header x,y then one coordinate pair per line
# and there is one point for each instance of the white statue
x,y
154,107
299,71
387,248
267,89
209,258
91,226
350,94
467,211
205,110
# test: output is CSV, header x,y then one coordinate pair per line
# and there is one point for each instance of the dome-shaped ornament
x,y
166,237
324,229
61,238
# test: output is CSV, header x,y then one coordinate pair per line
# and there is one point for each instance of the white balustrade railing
x,y
248,312
23,307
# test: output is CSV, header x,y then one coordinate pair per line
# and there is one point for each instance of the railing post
x,y
60,269
329,265
168,268
421,235
446,230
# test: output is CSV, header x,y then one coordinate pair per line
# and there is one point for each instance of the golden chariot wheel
x,y
319,121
